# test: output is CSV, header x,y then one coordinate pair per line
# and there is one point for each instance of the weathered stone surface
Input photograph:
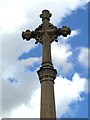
x,y
47,100
52,31
47,74
45,34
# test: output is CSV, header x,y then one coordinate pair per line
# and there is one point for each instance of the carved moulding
x,y
47,74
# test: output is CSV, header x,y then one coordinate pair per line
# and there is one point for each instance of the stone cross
x,y
45,34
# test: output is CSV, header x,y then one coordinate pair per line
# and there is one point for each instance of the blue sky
x,y
21,59
79,19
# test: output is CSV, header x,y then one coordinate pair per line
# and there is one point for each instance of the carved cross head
x,y
51,30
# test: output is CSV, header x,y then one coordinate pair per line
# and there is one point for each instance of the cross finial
x,y
52,30
45,14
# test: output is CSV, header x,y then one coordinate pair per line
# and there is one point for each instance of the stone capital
x,y
47,74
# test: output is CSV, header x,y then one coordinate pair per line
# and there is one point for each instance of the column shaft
x,y
47,100
46,49
47,75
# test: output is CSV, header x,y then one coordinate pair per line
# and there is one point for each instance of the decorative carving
x,y
39,28
47,74
28,34
54,32
51,26
45,14
64,31
39,34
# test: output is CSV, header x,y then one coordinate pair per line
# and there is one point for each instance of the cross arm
x,y
37,34
28,35
55,32
64,31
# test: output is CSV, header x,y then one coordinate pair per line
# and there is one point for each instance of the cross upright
x,y
45,34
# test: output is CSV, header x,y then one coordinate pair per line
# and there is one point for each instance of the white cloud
x,y
83,57
61,54
30,61
30,110
0,78
17,16
70,93
19,92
